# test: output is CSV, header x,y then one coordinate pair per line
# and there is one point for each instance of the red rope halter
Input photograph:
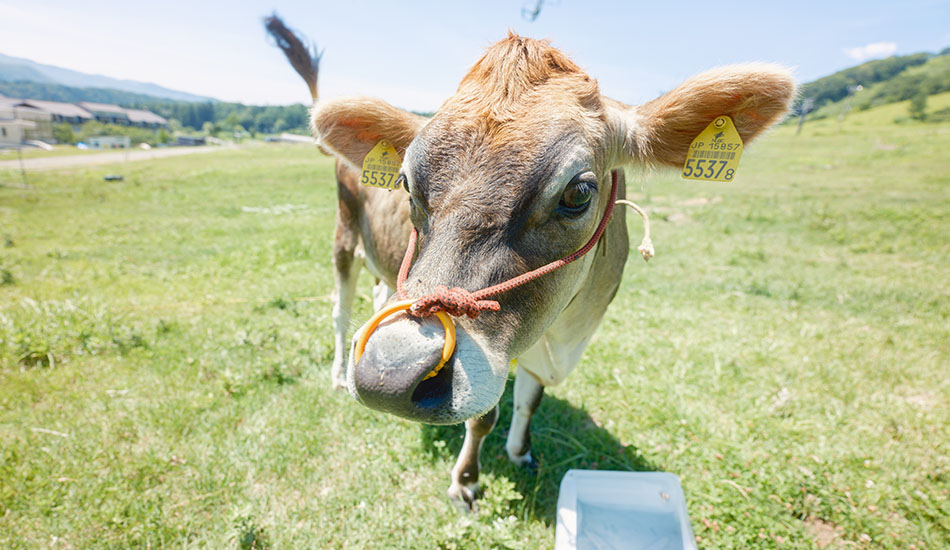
x,y
458,301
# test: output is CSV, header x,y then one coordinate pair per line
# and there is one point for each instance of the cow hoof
x,y
338,375
524,461
463,497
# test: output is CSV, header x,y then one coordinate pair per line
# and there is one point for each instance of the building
x,y
106,113
22,120
12,131
109,142
145,119
190,141
20,123
11,128
61,113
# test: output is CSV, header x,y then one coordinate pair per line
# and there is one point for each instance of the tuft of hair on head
x,y
300,52
514,66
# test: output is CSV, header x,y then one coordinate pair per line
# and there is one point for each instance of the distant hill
x,y
18,69
13,73
882,81
68,94
929,79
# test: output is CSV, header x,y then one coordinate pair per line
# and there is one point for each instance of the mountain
x,y
18,73
878,82
18,69
68,94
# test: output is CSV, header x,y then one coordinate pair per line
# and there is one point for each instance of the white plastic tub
x,y
605,510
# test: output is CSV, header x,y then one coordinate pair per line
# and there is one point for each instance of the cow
x,y
515,170
372,227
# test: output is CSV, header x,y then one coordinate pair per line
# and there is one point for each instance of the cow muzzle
x,y
393,373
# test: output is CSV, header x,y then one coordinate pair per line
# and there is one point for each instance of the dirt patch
x,y
881,146
826,534
924,400
700,201
676,217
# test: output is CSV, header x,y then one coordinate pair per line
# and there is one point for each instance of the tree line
x,y
222,116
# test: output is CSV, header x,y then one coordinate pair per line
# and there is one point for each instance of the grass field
x,y
165,345
879,116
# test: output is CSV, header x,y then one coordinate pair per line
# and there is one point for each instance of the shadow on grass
x,y
562,437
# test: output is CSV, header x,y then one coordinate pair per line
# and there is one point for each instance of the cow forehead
x,y
482,198
519,103
448,158
524,118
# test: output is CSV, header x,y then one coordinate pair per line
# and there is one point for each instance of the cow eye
x,y
401,181
577,195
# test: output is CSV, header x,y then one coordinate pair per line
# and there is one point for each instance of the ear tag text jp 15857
x,y
381,166
714,154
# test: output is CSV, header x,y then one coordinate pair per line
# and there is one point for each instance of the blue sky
x,y
413,53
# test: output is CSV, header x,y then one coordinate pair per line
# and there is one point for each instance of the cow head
x,y
511,173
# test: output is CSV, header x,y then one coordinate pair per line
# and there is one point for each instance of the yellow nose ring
x,y
447,349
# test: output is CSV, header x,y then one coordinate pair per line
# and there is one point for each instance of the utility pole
x,y
846,106
19,152
807,104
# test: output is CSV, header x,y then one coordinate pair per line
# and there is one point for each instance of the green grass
x,y
884,115
164,358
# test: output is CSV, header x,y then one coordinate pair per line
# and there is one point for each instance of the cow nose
x,y
391,374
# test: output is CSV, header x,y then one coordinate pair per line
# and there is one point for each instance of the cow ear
x,y
754,95
350,128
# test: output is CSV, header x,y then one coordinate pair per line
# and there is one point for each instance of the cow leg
x,y
381,293
528,394
346,271
464,488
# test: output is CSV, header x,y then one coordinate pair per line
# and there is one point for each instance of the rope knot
x,y
454,301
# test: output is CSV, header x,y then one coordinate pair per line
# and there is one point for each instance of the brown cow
x,y
515,171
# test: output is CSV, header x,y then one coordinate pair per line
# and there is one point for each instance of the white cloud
x,y
877,49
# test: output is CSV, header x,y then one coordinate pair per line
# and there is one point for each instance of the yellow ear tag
x,y
714,154
381,166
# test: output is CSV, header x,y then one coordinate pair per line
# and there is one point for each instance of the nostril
x,y
392,370
434,392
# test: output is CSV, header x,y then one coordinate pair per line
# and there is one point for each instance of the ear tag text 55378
x,y
714,154
381,166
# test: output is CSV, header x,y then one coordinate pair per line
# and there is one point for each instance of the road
x,y
54,163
